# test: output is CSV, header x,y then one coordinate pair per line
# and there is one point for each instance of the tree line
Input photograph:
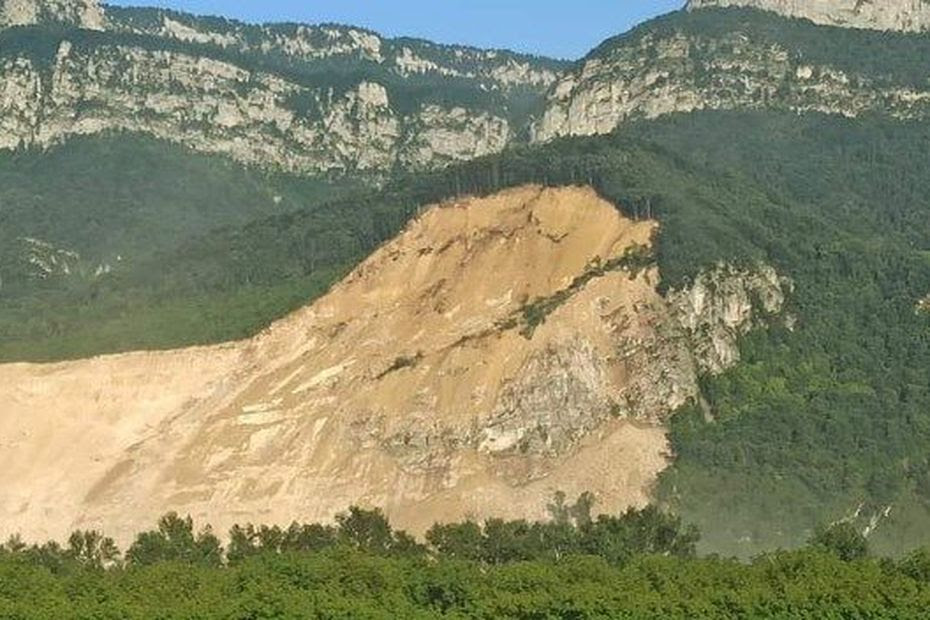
x,y
638,564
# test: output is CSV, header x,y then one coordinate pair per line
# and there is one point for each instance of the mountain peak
x,y
81,13
901,15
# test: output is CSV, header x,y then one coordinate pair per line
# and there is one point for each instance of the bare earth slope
x,y
424,383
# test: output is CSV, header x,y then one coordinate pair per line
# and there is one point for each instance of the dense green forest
x,y
84,228
640,564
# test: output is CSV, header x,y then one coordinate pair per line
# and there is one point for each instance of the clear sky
x,y
559,28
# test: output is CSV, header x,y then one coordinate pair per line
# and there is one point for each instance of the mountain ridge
x,y
737,58
79,13
899,15
303,98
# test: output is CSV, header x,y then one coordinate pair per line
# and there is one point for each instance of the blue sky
x,y
560,28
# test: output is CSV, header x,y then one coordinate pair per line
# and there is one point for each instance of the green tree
x,y
841,539
462,541
175,541
92,549
636,532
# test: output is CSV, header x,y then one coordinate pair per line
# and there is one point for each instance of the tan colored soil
x,y
383,393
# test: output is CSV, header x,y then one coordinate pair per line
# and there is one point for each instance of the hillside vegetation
x,y
83,224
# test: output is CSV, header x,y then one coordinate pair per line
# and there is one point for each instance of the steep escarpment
x,y
216,106
493,69
79,13
905,15
737,60
498,350
303,98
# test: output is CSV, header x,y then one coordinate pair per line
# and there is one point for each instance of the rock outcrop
x,y
498,350
492,70
648,74
78,13
902,15
724,304
278,96
216,106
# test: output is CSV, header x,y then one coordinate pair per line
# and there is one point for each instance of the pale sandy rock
x,y
81,13
455,134
183,32
409,63
415,385
218,107
655,76
903,15
514,73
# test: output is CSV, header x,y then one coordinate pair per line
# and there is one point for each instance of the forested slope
x,y
82,223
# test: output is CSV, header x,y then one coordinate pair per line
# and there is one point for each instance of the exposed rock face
x,y
650,75
904,15
281,96
494,70
500,349
219,107
724,304
80,13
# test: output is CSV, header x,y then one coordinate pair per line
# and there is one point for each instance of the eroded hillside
x,y
498,350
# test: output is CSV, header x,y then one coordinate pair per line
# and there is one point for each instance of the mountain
x,y
902,15
87,227
768,375
294,97
77,13
738,59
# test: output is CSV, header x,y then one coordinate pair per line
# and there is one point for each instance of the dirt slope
x,y
417,384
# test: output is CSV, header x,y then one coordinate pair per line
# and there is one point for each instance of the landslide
x,y
498,350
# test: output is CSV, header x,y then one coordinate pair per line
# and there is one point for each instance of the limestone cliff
x,y
79,13
685,63
903,15
217,106
498,350
492,69
285,96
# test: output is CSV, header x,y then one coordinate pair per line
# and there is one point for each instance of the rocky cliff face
x,y
903,15
494,70
679,67
275,96
443,378
216,106
724,304
78,13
